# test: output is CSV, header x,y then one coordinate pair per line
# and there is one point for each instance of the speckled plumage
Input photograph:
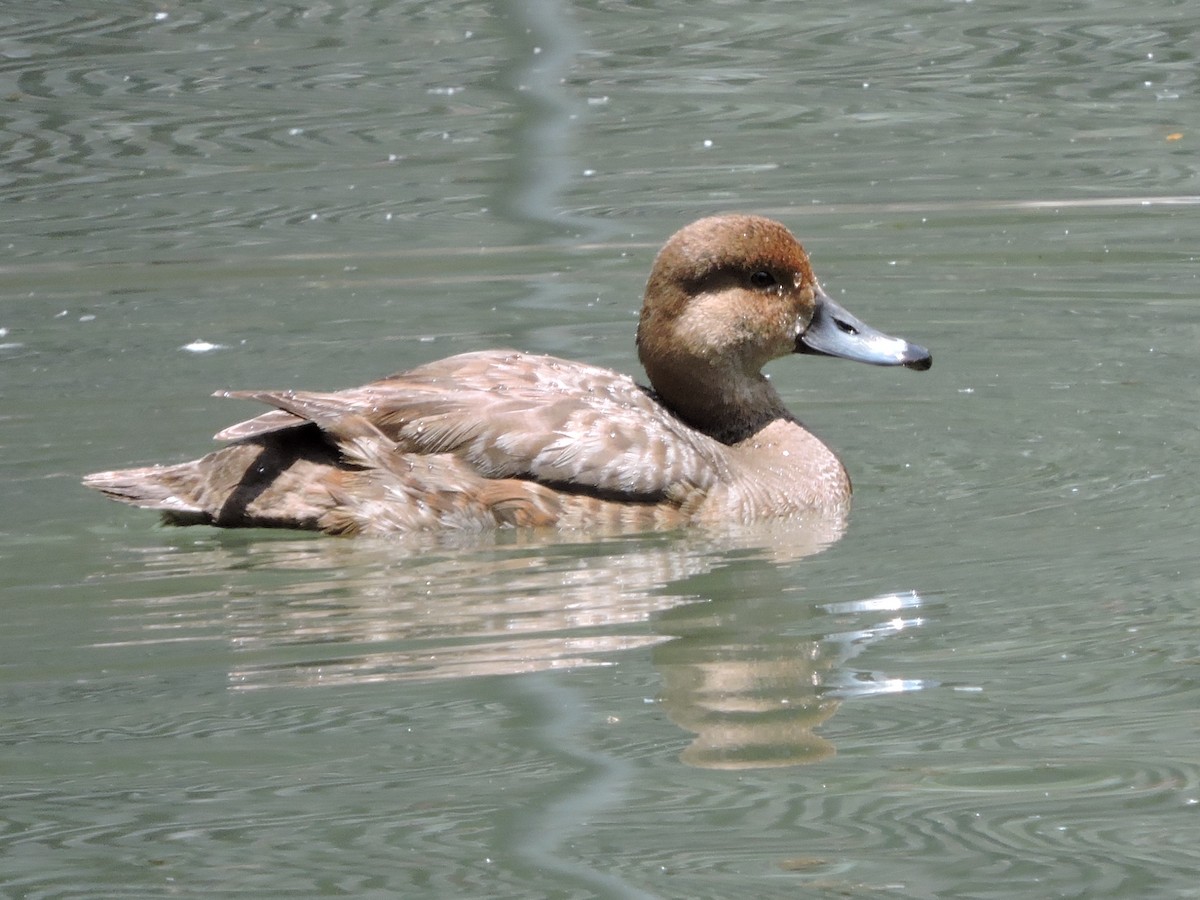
x,y
500,438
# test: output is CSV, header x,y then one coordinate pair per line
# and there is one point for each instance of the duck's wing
x,y
275,420
512,415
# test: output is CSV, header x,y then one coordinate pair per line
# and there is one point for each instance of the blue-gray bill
x,y
834,331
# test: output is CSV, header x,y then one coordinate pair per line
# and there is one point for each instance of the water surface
x,y
987,688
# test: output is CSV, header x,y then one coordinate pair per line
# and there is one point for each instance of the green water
x,y
987,688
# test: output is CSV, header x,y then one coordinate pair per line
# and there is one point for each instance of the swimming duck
x,y
503,438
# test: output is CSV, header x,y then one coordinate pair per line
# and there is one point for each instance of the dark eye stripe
x,y
762,279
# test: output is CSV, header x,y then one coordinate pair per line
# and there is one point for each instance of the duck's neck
x,y
727,408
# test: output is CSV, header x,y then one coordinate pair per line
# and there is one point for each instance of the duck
x,y
508,439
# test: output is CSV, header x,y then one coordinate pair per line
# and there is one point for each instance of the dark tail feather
x,y
277,480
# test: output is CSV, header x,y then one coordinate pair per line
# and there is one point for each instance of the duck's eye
x,y
762,279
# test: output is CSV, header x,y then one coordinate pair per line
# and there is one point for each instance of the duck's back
x,y
473,441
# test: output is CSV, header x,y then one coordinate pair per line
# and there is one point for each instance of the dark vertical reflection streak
x,y
548,829
545,42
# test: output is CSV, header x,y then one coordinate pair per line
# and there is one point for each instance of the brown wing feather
x,y
508,414
275,420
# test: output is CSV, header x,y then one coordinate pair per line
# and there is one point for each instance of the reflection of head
x,y
754,695
756,711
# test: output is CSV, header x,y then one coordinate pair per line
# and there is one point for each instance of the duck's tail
x,y
172,490
269,481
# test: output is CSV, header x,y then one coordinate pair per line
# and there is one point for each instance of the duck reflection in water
x,y
304,613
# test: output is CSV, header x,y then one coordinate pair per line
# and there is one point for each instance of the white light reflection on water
x,y
866,683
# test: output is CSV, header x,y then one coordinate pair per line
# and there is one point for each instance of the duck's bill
x,y
835,332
